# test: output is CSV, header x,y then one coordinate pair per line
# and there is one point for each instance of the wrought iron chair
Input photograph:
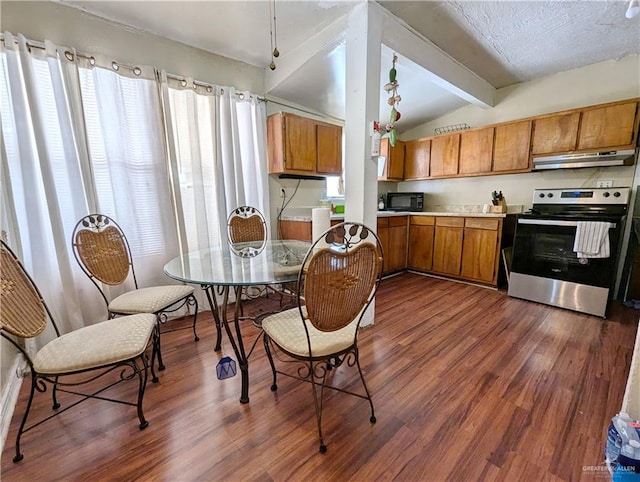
x,y
75,358
245,224
247,232
102,251
336,283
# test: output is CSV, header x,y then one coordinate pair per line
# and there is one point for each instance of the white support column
x,y
363,41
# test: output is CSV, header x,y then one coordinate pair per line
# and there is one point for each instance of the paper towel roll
x,y
320,221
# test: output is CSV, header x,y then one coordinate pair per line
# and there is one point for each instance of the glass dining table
x,y
237,267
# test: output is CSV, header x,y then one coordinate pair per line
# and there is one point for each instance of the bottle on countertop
x,y
381,204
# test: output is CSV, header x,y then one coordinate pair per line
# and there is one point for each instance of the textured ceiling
x,y
503,42
506,42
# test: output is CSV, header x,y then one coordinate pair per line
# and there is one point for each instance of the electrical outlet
x,y
283,193
603,183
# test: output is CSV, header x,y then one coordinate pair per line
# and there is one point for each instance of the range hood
x,y
304,177
584,159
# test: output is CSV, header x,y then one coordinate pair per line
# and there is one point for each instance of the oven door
x,y
543,247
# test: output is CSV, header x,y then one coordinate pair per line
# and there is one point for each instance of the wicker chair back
x,y
246,224
23,313
101,248
339,285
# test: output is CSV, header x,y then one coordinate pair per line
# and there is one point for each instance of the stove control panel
x,y
595,195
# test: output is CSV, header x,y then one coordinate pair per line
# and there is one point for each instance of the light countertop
x,y
454,210
383,214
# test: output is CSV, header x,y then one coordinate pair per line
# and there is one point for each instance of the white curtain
x,y
85,135
126,145
80,137
217,149
42,189
241,151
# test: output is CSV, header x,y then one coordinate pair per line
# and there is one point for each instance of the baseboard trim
x,y
479,285
10,398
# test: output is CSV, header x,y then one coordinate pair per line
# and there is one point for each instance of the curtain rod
x,y
34,44
198,83
115,65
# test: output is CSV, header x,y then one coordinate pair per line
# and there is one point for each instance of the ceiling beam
x,y
441,69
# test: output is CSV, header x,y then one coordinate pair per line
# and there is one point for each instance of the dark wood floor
x,y
468,384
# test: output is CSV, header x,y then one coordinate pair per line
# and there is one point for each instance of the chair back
x,y
102,250
23,312
246,224
340,280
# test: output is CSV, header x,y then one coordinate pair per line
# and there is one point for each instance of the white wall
x,y
70,27
608,81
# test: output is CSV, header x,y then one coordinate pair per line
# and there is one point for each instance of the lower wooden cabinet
x,y
480,249
392,232
456,246
300,230
447,245
421,230
461,247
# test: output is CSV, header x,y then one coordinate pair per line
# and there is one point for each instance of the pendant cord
x,y
272,27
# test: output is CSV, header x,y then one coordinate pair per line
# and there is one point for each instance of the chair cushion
x,y
96,345
286,329
149,300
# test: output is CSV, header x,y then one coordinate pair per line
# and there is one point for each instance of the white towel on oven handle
x,y
592,239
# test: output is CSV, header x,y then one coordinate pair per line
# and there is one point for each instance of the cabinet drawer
x,y
398,221
450,221
383,223
423,220
482,223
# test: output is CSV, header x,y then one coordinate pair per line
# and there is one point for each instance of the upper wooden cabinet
x,y
508,147
608,126
556,133
298,145
394,160
597,127
417,156
511,147
329,160
476,151
445,151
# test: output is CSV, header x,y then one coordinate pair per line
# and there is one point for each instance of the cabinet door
x,y
447,245
394,160
609,126
421,232
275,142
476,151
417,155
300,144
383,234
445,151
479,254
511,147
295,230
556,133
329,149
397,254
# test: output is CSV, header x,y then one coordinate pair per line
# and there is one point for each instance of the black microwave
x,y
405,201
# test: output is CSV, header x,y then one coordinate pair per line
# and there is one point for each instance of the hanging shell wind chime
x,y
392,88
